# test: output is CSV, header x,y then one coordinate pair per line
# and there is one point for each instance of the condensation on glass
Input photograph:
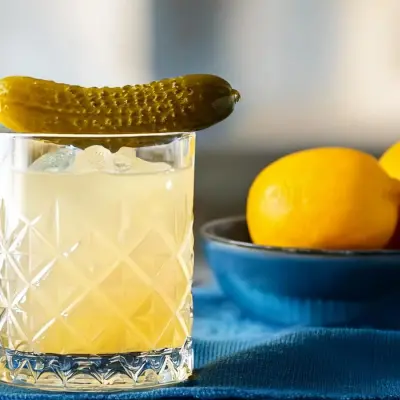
x,y
96,260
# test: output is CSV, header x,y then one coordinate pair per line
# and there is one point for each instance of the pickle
x,y
183,104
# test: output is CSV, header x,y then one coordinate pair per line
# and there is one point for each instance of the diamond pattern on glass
x,y
99,286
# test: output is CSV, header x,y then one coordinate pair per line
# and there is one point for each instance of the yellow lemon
x,y
390,161
323,198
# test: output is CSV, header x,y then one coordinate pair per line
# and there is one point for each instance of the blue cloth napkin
x,y
239,358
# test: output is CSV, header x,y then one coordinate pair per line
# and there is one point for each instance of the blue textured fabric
x,y
239,358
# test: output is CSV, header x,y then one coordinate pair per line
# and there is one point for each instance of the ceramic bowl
x,y
288,286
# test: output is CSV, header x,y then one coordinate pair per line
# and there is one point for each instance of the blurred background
x,y
311,72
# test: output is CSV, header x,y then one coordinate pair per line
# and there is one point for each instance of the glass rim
x,y
94,135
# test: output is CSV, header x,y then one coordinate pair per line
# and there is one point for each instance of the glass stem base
x,y
77,373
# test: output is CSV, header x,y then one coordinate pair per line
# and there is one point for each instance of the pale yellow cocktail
x,y
99,256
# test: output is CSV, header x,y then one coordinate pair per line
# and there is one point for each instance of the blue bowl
x,y
304,287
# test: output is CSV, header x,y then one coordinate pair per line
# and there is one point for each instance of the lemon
x,y
390,161
323,198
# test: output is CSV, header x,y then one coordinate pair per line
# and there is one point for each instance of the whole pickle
x,y
182,104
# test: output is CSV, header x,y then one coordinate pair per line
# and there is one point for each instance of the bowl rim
x,y
207,233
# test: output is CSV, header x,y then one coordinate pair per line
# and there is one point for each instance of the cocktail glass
x,y
96,260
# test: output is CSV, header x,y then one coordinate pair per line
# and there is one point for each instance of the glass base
x,y
77,373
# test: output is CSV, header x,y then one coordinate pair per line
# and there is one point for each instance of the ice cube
x,y
96,158
56,161
126,161
93,158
